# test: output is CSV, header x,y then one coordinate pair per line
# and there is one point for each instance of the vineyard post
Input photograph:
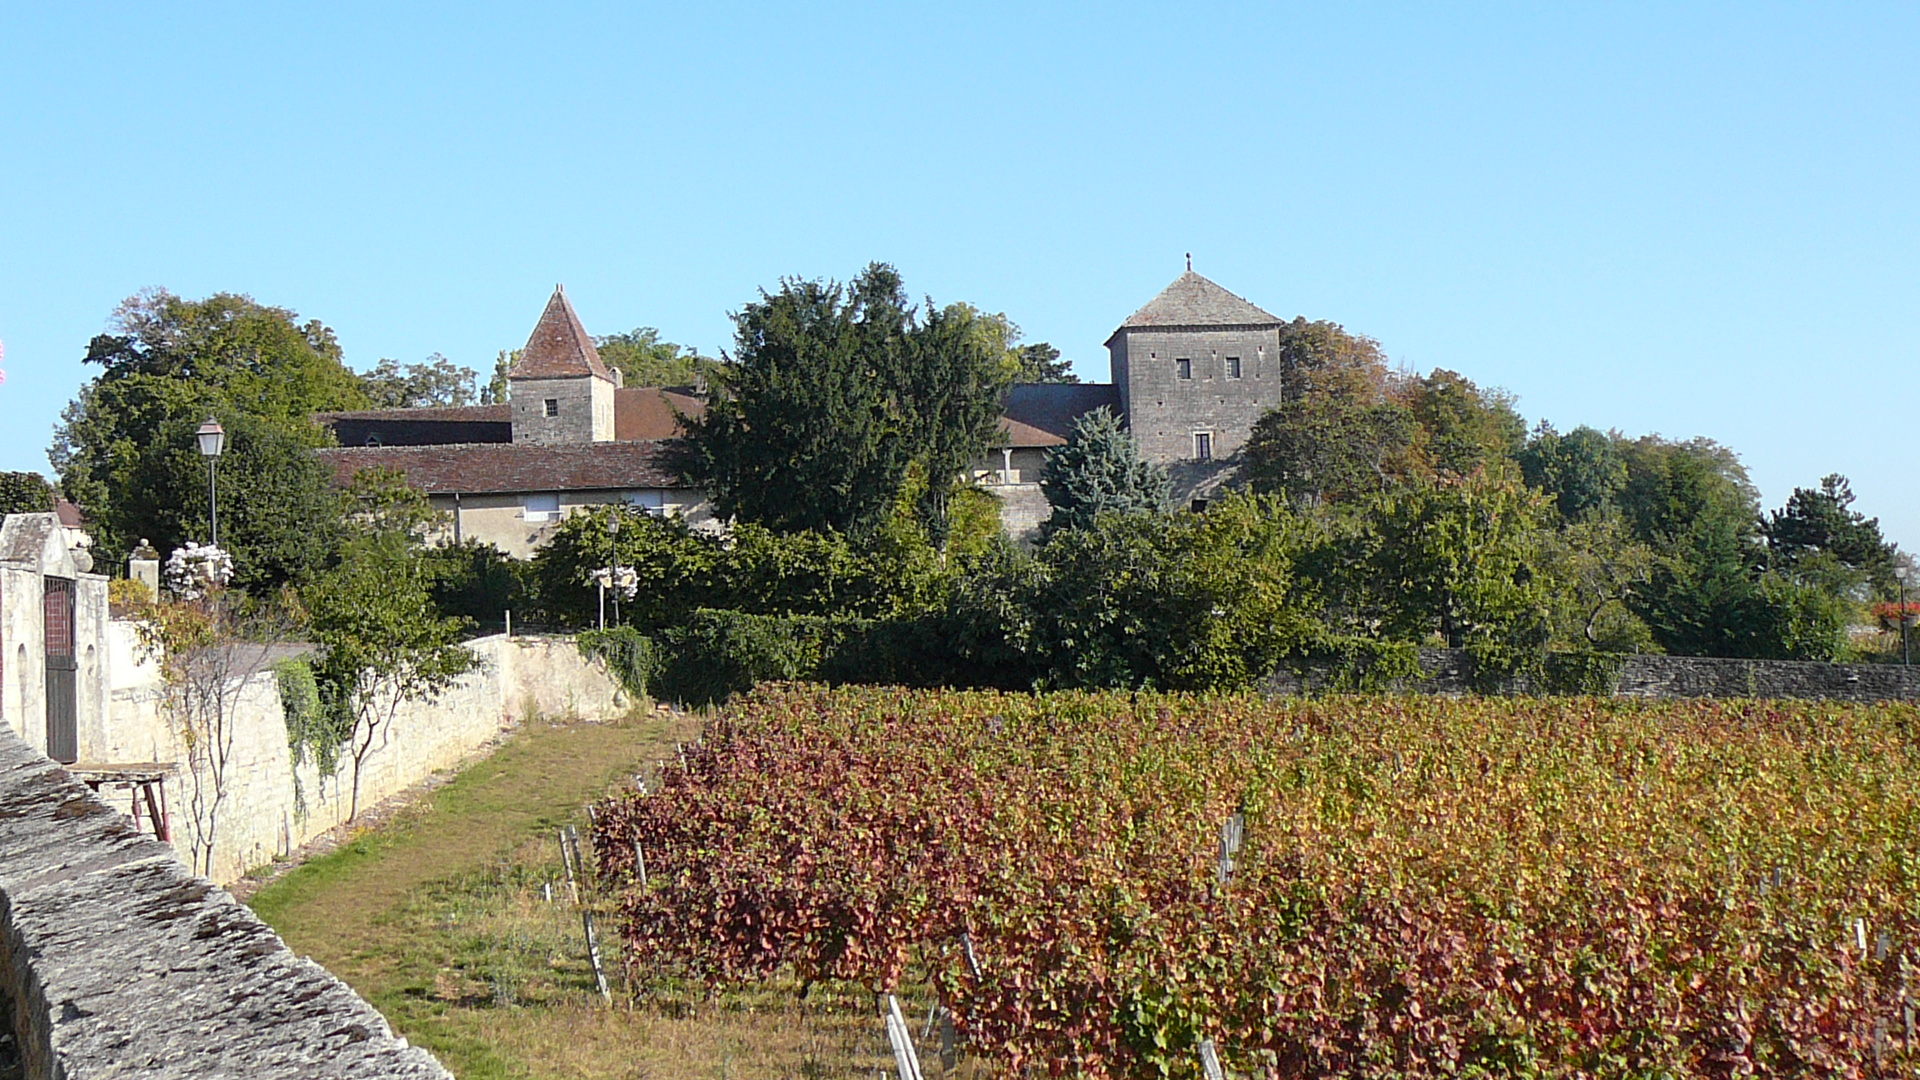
x,y
1233,832
950,1042
1210,1061
566,859
593,954
580,863
905,1061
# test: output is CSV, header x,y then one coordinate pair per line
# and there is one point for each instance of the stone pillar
x,y
144,565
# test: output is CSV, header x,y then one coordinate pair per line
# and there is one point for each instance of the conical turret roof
x,y
560,347
1193,300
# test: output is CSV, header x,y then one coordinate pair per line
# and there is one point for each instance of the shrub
x,y
631,657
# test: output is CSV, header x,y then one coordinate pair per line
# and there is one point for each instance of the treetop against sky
x,y
1688,222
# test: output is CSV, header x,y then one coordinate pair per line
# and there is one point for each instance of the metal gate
x,y
63,726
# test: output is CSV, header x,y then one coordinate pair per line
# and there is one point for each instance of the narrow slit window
x,y
1183,367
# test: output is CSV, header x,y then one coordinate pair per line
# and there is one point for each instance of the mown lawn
x,y
440,919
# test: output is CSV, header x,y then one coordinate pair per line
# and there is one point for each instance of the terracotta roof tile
x,y
560,346
653,412
502,468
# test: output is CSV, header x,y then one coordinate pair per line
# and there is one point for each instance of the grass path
x,y
438,919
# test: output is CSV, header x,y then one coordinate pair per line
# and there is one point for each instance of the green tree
x,y
1179,601
645,360
25,493
1818,537
1041,363
124,449
1099,471
1315,358
1464,429
1583,471
1331,447
437,381
834,392
382,642
495,392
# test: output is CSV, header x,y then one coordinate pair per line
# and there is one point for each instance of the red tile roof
x,y
560,346
649,412
504,468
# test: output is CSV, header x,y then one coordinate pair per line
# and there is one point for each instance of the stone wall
x,y
115,960
1450,671
252,804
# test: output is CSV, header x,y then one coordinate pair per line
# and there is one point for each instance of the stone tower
x,y
560,392
1195,368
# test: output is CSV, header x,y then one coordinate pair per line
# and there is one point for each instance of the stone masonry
x,y
117,961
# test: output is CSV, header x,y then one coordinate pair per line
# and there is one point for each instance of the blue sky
x,y
1684,219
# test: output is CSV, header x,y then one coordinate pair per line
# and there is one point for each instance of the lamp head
x,y
212,437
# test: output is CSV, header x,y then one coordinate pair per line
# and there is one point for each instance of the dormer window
x,y
550,407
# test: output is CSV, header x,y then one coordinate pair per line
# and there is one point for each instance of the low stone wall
x,y
115,960
1450,671
266,806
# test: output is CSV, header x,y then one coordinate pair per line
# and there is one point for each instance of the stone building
x,y
54,679
1192,370
570,437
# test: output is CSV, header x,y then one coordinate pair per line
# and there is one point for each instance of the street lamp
x,y
213,439
1904,574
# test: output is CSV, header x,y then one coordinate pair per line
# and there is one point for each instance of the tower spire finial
x,y
1189,262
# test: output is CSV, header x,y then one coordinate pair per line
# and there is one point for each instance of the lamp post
x,y
1903,574
213,439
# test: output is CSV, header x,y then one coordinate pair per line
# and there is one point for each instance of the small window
x,y
1203,446
543,507
550,407
1233,367
1184,367
1198,506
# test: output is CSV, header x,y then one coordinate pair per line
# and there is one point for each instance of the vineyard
x,y
1094,884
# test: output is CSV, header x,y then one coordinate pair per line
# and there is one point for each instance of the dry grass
x,y
439,918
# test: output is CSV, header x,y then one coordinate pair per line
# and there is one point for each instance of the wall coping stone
x,y
119,961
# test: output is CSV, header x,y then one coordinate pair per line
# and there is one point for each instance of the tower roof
x,y
1193,300
560,347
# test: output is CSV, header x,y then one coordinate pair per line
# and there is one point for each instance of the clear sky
x,y
1685,219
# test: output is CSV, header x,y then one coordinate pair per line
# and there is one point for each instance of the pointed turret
x,y
560,347
559,390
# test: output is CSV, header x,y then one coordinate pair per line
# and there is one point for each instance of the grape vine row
x,y
1427,887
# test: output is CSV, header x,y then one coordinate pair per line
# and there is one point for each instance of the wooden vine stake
x,y
905,1062
579,864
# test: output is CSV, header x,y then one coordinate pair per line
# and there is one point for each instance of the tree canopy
x,y
835,391
434,381
643,359
125,450
25,493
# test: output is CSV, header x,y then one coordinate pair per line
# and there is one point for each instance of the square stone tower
x,y
1195,368
560,391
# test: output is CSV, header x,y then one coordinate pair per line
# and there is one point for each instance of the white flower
x,y
197,568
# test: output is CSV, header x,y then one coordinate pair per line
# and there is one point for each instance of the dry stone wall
x,y
115,960
1450,671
